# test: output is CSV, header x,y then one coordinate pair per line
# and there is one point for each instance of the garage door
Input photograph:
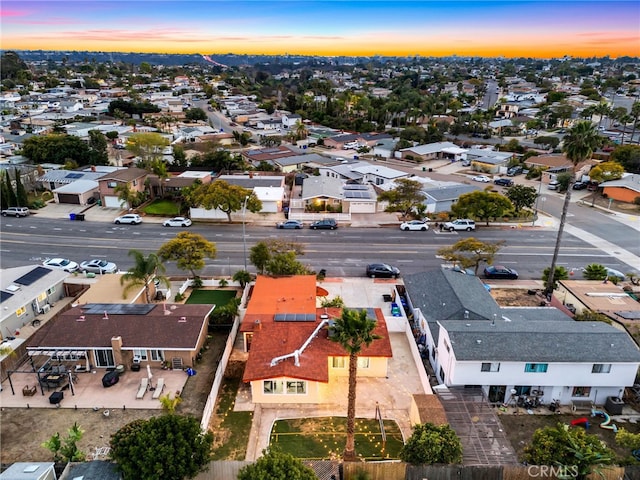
x,y
362,207
69,198
112,202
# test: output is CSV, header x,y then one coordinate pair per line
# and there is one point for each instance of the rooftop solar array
x,y
117,308
354,186
74,175
5,296
34,275
356,194
295,317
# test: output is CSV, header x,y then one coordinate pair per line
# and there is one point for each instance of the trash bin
x,y
72,216
80,217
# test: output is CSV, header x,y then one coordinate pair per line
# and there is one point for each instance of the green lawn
x,y
211,297
162,207
324,437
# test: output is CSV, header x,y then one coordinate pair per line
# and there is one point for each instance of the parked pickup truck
x,y
15,212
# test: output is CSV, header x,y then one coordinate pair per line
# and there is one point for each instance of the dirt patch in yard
x,y
22,430
515,297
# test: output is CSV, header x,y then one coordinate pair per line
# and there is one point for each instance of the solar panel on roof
x,y
117,308
352,186
356,194
74,175
35,274
5,296
295,317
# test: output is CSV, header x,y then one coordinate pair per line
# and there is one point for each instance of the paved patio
x,y
88,391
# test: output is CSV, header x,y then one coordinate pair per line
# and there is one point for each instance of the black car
x,y
513,171
327,224
580,185
505,182
382,270
498,271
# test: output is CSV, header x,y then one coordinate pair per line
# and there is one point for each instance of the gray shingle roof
x,y
541,340
449,192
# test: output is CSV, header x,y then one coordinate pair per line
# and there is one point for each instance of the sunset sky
x,y
428,28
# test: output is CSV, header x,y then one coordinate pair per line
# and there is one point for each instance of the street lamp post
x,y
535,208
244,237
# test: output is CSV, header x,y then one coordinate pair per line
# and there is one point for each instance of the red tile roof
x,y
274,339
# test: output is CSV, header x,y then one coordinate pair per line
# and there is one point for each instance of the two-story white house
x,y
516,351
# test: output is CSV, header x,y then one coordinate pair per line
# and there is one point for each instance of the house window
x,y
339,362
21,311
490,367
363,362
522,390
42,296
446,345
536,367
112,184
157,355
296,387
601,368
140,353
51,290
273,387
581,391
442,374
433,353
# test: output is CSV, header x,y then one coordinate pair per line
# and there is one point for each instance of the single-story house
x,y
424,153
291,358
488,161
379,175
470,340
625,189
289,120
255,156
296,162
441,198
105,335
362,139
53,179
596,296
26,292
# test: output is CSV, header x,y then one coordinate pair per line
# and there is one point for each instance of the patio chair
x,y
159,387
144,385
29,391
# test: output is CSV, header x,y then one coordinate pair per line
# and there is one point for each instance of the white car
x,y
98,266
61,264
460,224
131,218
177,222
481,178
420,225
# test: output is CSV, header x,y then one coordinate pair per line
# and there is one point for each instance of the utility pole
x,y
244,236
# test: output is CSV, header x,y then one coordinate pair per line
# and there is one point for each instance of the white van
x,y
553,185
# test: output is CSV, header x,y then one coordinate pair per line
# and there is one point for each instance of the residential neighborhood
x,y
255,268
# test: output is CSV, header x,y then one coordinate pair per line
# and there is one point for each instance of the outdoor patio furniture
x,y
29,391
581,405
110,378
159,387
144,386
56,397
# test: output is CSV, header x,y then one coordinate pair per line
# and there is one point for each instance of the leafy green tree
x,y
127,196
168,447
169,403
148,147
278,257
242,277
561,273
353,331
56,148
285,263
4,190
66,450
579,145
550,142
522,196
259,256
11,195
225,314
145,270
21,193
335,302
483,205
188,250
98,148
225,197
276,465
406,197
595,271
430,444
470,252
195,114
180,157
606,171
628,156
569,447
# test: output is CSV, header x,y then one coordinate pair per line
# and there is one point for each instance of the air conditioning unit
x,y
46,307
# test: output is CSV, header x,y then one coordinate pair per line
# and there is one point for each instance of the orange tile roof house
x,y
291,358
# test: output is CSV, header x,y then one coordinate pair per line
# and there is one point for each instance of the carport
x,y
484,441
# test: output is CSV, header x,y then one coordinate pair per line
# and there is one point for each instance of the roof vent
x,y
80,318
182,320
468,324
106,317
478,341
324,316
466,314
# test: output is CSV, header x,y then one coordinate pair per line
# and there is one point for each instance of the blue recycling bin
x,y
72,216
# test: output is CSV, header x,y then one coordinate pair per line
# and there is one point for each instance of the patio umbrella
x,y
149,374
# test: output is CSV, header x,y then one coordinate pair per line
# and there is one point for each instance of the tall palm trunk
x,y
556,250
349,454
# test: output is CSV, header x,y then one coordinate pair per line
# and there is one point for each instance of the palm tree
x,y
353,330
145,270
635,113
579,145
127,196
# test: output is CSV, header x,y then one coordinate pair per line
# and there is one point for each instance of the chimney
x,y
93,168
250,174
116,346
257,326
